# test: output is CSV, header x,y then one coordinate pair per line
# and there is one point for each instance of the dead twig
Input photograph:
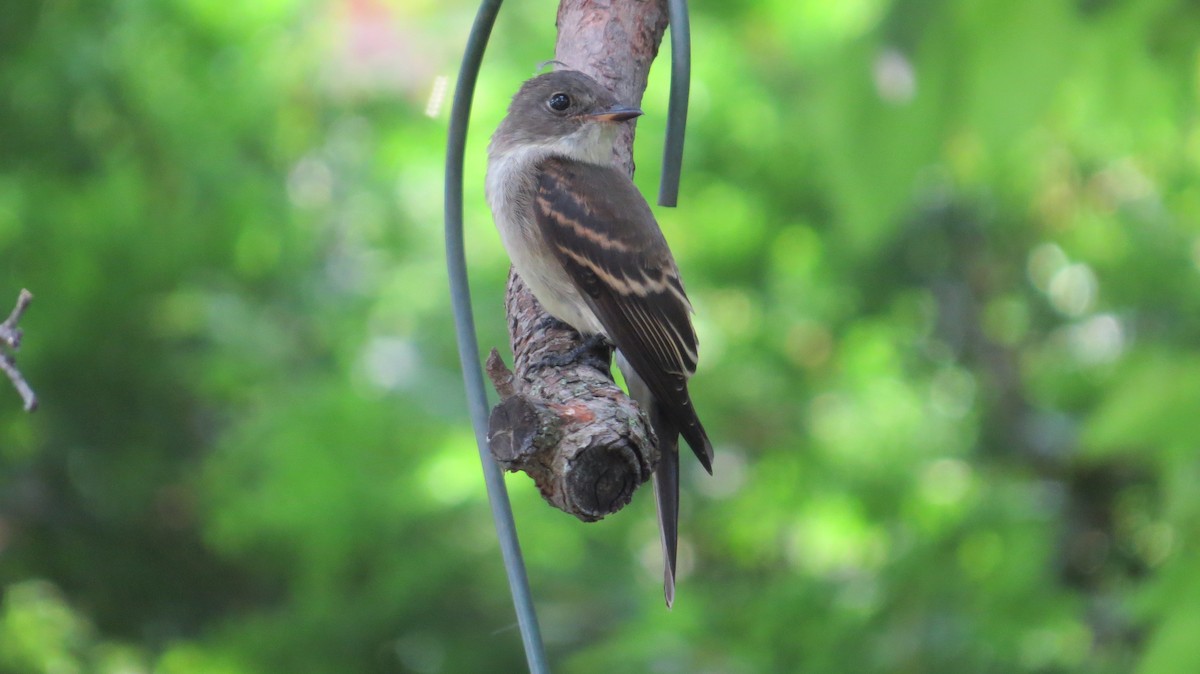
x,y
10,336
569,427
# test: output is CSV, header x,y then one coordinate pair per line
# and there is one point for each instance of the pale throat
x,y
592,143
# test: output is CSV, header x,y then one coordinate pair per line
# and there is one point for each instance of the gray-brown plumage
x,y
584,240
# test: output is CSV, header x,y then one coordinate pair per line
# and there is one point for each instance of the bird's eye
x,y
559,102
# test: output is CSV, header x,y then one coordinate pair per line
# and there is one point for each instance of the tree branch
x,y
10,336
569,427
585,444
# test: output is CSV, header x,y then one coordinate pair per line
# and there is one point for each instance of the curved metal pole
x,y
468,346
681,74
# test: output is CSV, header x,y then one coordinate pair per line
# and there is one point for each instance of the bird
x,y
583,239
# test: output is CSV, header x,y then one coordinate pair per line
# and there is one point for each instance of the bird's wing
x,y
602,231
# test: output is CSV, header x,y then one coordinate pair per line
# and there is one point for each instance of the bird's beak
x,y
618,113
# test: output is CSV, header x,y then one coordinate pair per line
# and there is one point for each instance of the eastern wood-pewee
x,y
583,239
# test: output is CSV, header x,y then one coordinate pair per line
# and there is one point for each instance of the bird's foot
x,y
594,351
549,322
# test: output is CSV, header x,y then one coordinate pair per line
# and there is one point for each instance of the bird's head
x,y
563,112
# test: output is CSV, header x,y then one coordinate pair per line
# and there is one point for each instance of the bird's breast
x,y
510,192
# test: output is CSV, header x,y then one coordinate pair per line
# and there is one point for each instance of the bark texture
x,y
585,444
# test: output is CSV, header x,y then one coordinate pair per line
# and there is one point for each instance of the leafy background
x,y
945,261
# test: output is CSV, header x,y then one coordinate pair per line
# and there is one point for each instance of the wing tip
x,y
701,446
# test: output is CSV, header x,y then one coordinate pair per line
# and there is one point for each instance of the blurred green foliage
x,y
945,262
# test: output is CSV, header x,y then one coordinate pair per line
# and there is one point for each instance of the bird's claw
x,y
549,322
594,351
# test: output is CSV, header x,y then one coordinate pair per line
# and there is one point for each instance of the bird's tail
x,y
666,475
666,494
